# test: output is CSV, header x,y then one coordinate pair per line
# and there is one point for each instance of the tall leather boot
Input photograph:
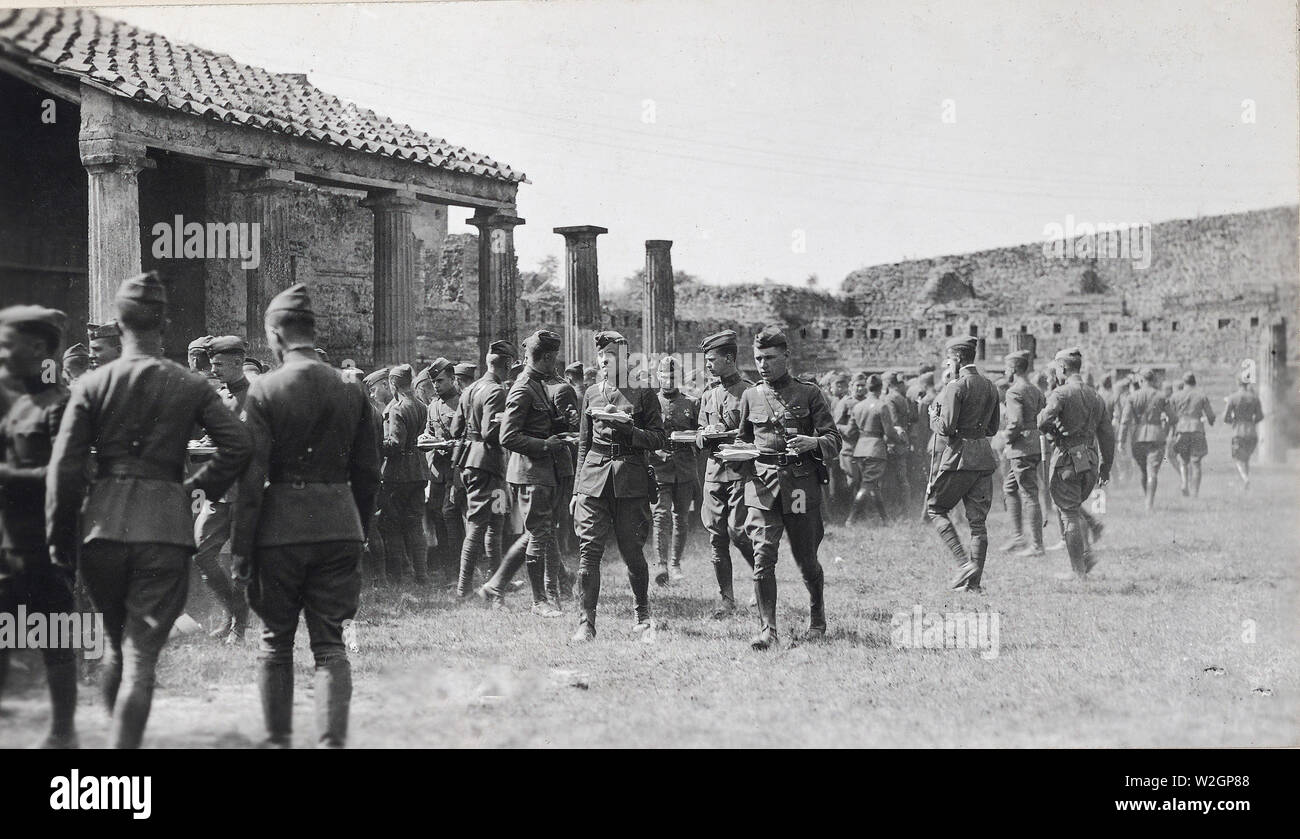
x,y
536,566
765,595
276,684
816,606
333,691
469,552
589,585
965,567
719,547
62,679
979,548
238,620
494,589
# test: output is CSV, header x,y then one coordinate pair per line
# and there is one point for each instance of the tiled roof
x,y
148,67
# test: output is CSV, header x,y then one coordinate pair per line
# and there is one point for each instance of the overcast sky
x,y
867,132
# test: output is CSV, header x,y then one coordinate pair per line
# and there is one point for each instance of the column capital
x,y
108,153
582,231
658,244
390,200
487,218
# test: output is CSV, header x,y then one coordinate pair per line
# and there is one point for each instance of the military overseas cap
x,y
544,339
516,369
75,351
111,329
142,288
1018,356
200,345
465,368
294,300
227,344
843,377
322,355
770,336
607,337
250,361
965,344
504,348
575,367
402,374
1068,354
422,376
50,322
436,366
860,376
726,339
376,377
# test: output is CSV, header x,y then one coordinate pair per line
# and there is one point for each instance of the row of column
x,y
266,197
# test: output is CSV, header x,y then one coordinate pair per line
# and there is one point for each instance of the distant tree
x,y
634,285
812,281
547,274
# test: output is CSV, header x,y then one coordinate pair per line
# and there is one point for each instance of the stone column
x,y
1273,390
395,303
581,293
267,197
498,278
113,168
658,309
1025,341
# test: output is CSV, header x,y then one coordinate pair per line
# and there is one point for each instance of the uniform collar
x,y
785,379
969,370
728,381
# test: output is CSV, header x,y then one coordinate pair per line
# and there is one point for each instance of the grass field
x,y
1186,635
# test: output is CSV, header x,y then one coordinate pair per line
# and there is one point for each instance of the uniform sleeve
x,y
851,430
363,469
248,500
844,420
1017,423
945,422
513,437
234,448
650,435
66,478
30,480
746,427
1106,440
1050,415
394,431
493,405
584,429
995,420
828,436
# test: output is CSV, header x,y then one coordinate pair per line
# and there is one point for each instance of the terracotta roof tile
x,y
142,65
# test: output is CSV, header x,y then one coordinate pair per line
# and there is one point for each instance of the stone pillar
x,y
658,308
1273,392
498,278
395,303
113,168
1025,341
267,197
581,293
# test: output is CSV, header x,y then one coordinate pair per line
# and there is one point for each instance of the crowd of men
x,y
293,484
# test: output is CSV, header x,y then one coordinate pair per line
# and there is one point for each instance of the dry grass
x,y
1148,653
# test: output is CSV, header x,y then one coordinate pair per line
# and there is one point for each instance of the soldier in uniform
x,y
1148,418
1193,409
568,406
790,423
923,397
872,426
405,476
136,532
76,361
197,353
963,418
375,555
465,372
301,517
1023,454
105,343
723,509
1077,423
900,456
530,429
442,513
577,379
422,386
483,465
29,340
839,490
674,468
842,413
212,527
1243,413
612,488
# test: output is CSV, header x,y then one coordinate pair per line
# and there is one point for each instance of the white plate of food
x,y
612,415
737,453
682,436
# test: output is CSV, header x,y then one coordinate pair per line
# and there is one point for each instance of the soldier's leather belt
x,y
132,467
613,451
780,459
